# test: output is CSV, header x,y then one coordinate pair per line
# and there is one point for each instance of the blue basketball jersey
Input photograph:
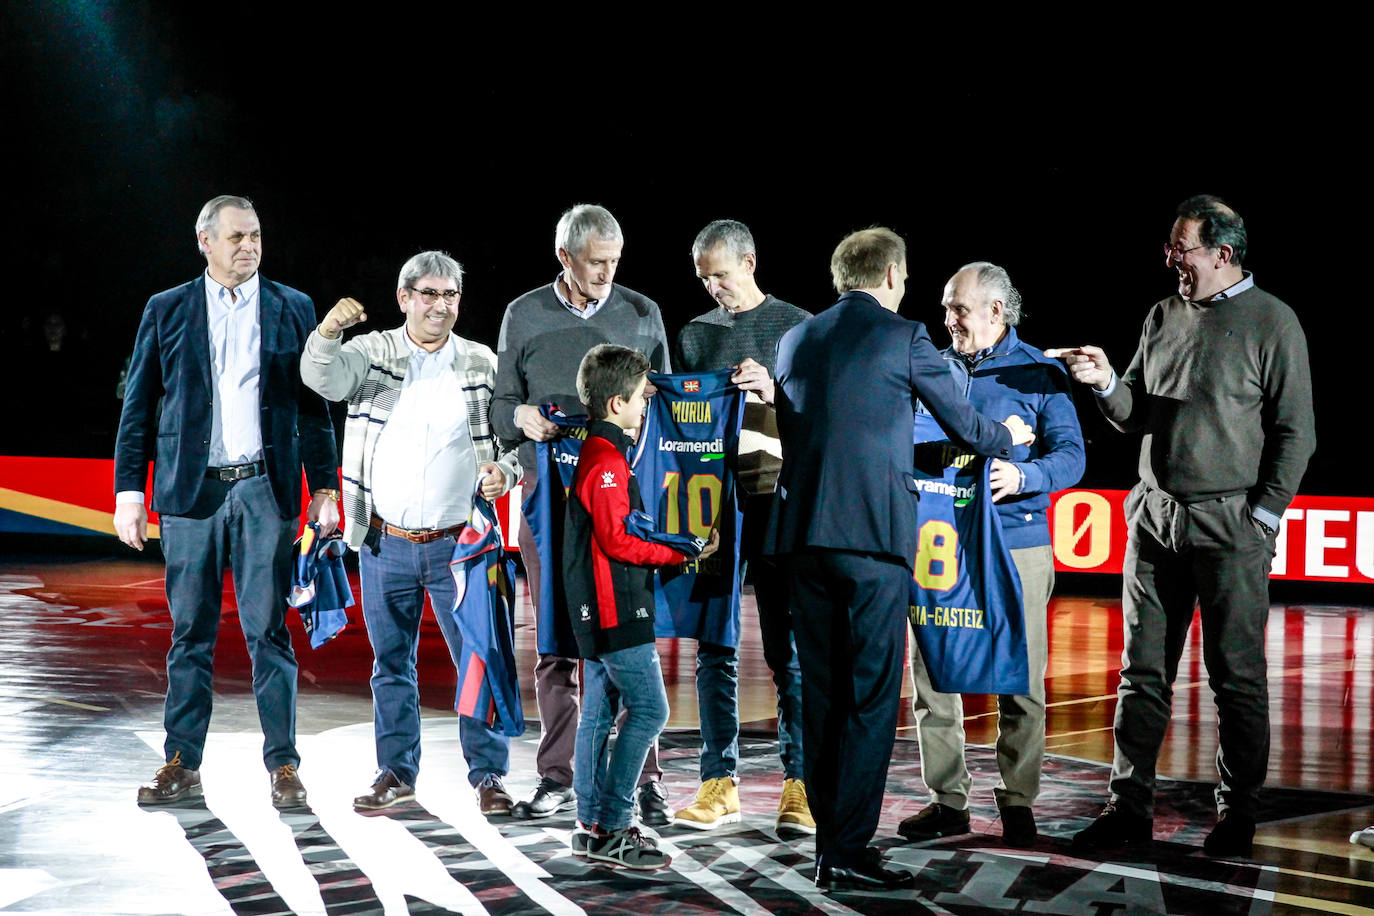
x,y
685,465
545,510
966,610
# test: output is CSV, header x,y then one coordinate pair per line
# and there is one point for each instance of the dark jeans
x,y
396,574
1178,556
245,532
718,666
851,638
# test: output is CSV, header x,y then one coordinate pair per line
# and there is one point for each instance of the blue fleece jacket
x,y
1012,377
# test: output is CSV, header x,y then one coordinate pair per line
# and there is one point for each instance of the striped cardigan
x,y
368,372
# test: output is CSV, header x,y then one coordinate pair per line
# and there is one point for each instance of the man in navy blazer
x,y
222,353
845,519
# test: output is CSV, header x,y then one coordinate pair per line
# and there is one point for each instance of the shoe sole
x,y
395,801
731,818
195,791
289,804
794,827
525,814
617,862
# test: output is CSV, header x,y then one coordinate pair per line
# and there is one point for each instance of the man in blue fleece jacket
x,y
1001,375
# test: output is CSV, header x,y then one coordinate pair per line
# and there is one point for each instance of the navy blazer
x,y
847,385
171,361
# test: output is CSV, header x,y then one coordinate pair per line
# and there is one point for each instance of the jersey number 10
x,y
703,503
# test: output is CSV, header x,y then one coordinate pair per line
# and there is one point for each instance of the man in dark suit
x,y
845,518
223,354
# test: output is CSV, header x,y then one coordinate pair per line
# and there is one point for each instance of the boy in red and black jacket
x,y
608,578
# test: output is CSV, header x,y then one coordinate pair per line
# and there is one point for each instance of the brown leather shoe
x,y
492,797
387,790
170,784
287,790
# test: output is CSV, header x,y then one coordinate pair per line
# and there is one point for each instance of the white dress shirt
x,y
235,354
424,468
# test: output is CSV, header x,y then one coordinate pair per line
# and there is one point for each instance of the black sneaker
x,y
629,848
933,821
1018,826
651,801
549,798
1114,829
1232,838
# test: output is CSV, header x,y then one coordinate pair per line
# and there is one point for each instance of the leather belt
x,y
236,471
416,535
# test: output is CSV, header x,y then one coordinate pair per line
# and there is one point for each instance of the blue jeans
x,y
605,783
718,666
246,533
396,574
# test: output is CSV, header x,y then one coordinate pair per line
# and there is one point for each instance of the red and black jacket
x,y
608,574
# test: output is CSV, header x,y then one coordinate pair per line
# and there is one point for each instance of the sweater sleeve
x,y
1126,405
511,390
603,491
1289,428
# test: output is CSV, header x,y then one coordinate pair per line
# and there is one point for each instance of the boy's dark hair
x,y
606,371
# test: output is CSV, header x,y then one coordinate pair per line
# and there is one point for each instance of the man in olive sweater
x,y
1221,387
544,335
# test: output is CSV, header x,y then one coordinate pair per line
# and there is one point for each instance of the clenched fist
x,y
344,314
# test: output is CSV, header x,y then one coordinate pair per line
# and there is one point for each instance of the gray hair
x,y
1221,225
996,284
430,264
208,221
734,235
579,223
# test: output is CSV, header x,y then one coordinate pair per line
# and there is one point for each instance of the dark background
x,y
362,143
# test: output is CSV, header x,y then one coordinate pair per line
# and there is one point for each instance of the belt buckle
x,y
241,472
418,535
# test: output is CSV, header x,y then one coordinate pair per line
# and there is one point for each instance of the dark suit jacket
x,y
847,385
171,361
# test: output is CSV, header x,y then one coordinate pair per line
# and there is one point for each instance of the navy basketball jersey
x,y
545,510
685,465
966,610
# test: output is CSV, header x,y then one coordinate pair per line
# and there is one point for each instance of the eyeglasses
x,y
430,296
1172,254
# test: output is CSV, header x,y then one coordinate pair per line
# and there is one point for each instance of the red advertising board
x,y
1322,538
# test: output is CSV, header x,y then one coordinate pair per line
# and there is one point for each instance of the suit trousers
x,y
1020,719
850,618
555,683
396,575
1211,554
244,531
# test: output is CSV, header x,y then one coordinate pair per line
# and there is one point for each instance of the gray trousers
x,y
1179,556
1020,719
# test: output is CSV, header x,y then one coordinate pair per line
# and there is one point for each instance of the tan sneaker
x,y
794,813
717,803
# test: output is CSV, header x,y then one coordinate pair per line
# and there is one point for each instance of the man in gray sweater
x,y
743,333
544,335
1221,387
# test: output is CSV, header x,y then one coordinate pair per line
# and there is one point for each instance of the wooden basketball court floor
x,y
82,646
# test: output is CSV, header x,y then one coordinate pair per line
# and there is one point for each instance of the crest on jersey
x,y
607,479
691,386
